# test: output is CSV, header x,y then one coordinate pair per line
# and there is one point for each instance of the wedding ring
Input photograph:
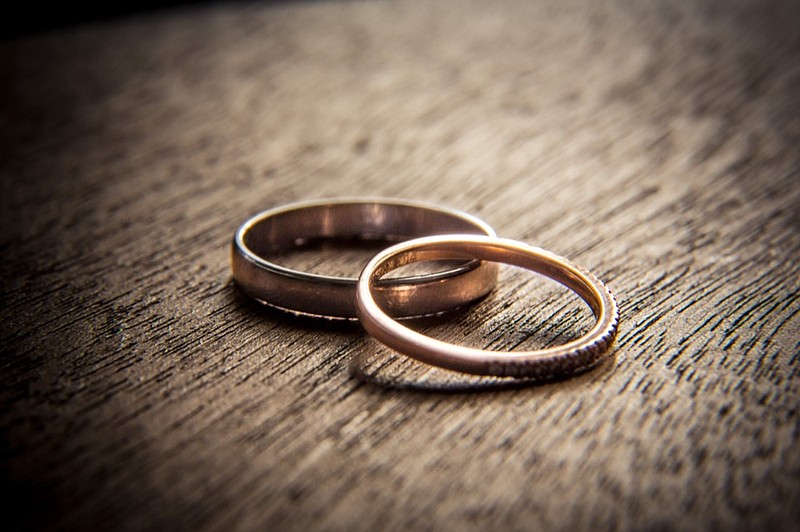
x,y
288,228
572,357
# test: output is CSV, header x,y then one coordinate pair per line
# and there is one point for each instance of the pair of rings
x,y
423,232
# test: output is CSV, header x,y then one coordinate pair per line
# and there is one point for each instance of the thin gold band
x,y
571,357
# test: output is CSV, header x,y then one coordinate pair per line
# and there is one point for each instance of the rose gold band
x,y
285,228
572,357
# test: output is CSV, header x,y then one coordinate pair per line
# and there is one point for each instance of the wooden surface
x,y
656,143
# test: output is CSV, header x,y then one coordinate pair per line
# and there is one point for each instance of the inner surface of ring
x,y
357,229
539,264
526,311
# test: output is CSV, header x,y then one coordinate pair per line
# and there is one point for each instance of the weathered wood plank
x,y
653,142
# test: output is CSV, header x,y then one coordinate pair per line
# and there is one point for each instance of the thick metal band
x,y
574,356
286,228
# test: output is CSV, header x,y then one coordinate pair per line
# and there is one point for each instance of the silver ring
x,y
370,219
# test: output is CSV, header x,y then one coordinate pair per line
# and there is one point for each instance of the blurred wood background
x,y
655,143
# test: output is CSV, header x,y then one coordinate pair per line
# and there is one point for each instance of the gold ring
x,y
580,354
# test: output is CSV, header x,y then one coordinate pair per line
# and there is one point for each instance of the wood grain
x,y
655,143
